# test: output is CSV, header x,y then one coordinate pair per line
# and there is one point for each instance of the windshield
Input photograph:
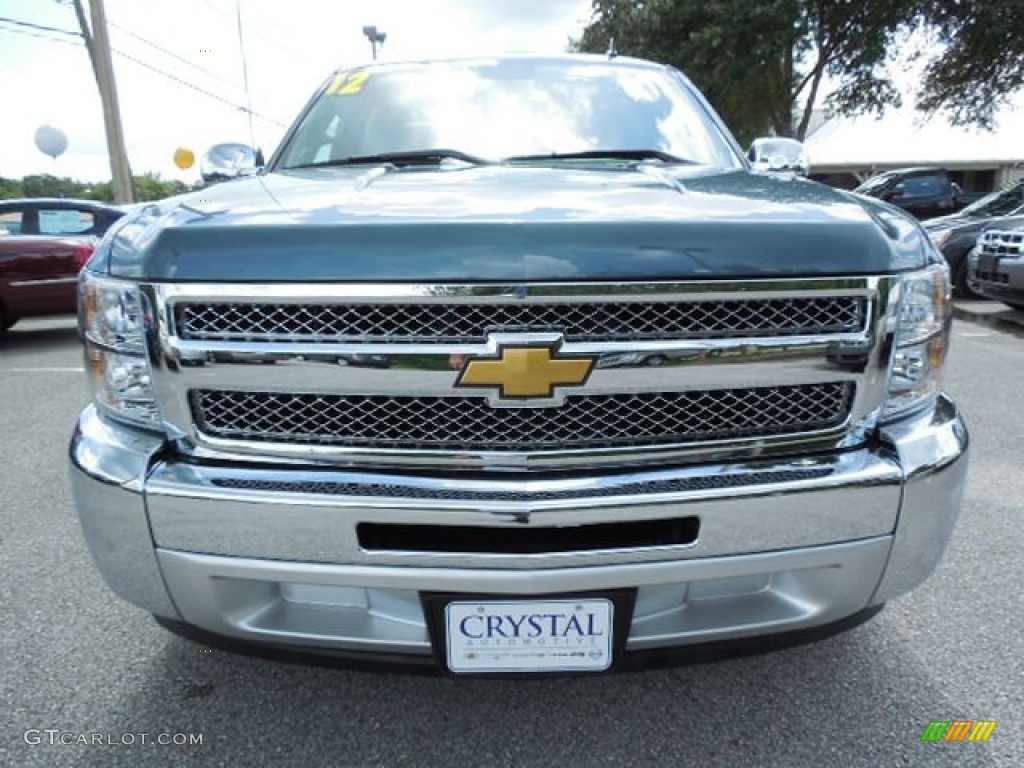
x,y
875,184
495,110
999,203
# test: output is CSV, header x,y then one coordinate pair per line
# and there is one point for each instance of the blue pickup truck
x,y
639,397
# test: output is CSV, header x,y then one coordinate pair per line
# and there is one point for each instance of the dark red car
x,y
43,244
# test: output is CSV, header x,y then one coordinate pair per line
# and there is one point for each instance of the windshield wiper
x,y
604,154
413,157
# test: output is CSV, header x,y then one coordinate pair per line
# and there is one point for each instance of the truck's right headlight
x,y
922,336
112,317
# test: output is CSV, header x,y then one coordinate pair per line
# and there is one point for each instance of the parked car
x,y
996,265
924,192
43,245
956,235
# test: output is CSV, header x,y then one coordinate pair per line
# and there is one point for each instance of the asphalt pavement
x,y
77,660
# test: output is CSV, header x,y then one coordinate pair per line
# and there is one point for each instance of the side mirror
x,y
779,155
898,191
229,161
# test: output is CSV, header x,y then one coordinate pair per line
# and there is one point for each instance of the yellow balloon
x,y
184,158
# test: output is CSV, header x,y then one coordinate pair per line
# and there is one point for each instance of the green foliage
x,y
146,187
762,64
982,62
45,185
11,188
151,187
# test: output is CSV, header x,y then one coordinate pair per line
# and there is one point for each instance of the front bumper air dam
x,y
813,542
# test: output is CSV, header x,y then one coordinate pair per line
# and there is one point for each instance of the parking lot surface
x,y
77,660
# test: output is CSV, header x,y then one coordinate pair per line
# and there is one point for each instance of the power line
x,y
173,55
32,30
198,89
275,41
282,32
39,27
38,36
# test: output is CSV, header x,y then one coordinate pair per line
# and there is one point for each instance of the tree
x,y
47,185
10,188
982,59
150,186
147,187
762,65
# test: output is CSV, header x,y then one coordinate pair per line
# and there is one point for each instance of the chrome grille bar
x,y
697,483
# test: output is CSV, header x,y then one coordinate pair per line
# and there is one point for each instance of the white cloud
x,y
288,54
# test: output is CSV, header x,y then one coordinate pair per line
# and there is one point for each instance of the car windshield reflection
x,y
513,108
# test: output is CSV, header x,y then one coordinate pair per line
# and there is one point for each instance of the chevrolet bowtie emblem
x,y
525,372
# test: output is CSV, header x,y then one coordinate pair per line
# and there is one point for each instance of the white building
x,y
849,150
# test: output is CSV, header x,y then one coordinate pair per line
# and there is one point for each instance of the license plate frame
x,y
439,606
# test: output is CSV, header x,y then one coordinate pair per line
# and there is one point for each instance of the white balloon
x,y
51,141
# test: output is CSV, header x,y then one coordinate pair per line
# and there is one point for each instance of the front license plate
x,y
529,636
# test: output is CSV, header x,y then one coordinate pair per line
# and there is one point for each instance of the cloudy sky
x,y
179,70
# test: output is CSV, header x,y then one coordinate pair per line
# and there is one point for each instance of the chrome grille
x,y
439,323
1002,242
469,423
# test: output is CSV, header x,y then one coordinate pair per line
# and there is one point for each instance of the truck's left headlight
x,y
922,338
112,318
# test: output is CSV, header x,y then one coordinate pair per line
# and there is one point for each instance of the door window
x,y
10,223
921,186
65,222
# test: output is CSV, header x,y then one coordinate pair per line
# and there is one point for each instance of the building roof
x,y
906,137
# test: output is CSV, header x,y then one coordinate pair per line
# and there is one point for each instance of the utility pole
x,y
245,73
97,43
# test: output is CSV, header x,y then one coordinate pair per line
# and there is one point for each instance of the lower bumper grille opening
x,y
992,277
528,541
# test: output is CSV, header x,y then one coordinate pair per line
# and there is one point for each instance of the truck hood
x,y
511,223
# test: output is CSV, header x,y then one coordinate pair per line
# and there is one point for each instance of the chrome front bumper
x,y
272,555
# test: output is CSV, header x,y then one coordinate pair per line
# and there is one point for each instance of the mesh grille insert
x,y
440,323
469,423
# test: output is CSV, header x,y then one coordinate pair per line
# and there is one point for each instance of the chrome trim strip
x,y
231,450
476,293
44,281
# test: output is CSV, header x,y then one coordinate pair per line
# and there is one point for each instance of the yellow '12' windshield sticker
x,y
348,83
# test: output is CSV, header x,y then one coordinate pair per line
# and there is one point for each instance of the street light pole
x,y
376,37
